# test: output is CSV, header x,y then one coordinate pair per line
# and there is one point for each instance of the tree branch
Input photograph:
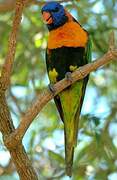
x,y
46,96
7,67
9,5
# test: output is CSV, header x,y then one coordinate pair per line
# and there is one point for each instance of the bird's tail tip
x,y
69,170
69,161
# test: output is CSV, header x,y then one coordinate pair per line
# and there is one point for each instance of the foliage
x,y
95,155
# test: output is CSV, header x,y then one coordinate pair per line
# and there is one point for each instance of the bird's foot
x,y
51,88
68,76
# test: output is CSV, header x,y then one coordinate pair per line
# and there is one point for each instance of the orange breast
x,y
69,35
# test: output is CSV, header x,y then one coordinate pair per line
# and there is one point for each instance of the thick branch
x,y
46,96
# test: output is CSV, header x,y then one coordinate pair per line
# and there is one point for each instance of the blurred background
x,y
96,153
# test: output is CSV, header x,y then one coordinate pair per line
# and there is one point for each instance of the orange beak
x,y
47,17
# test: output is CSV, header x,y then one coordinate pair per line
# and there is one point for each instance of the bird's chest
x,y
69,35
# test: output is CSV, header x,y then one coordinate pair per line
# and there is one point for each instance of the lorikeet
x,y
68,48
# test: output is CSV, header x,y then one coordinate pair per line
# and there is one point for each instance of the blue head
x,y
54,15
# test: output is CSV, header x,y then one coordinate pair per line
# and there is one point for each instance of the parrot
x,y
68,48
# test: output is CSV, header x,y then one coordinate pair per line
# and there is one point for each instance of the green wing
x,y
88,50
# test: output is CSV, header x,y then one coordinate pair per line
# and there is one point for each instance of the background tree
x,y
95,155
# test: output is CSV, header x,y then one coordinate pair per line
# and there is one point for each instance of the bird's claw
x,y
51,88
68,76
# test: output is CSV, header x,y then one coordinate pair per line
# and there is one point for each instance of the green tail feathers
x,y
71,101
69,154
